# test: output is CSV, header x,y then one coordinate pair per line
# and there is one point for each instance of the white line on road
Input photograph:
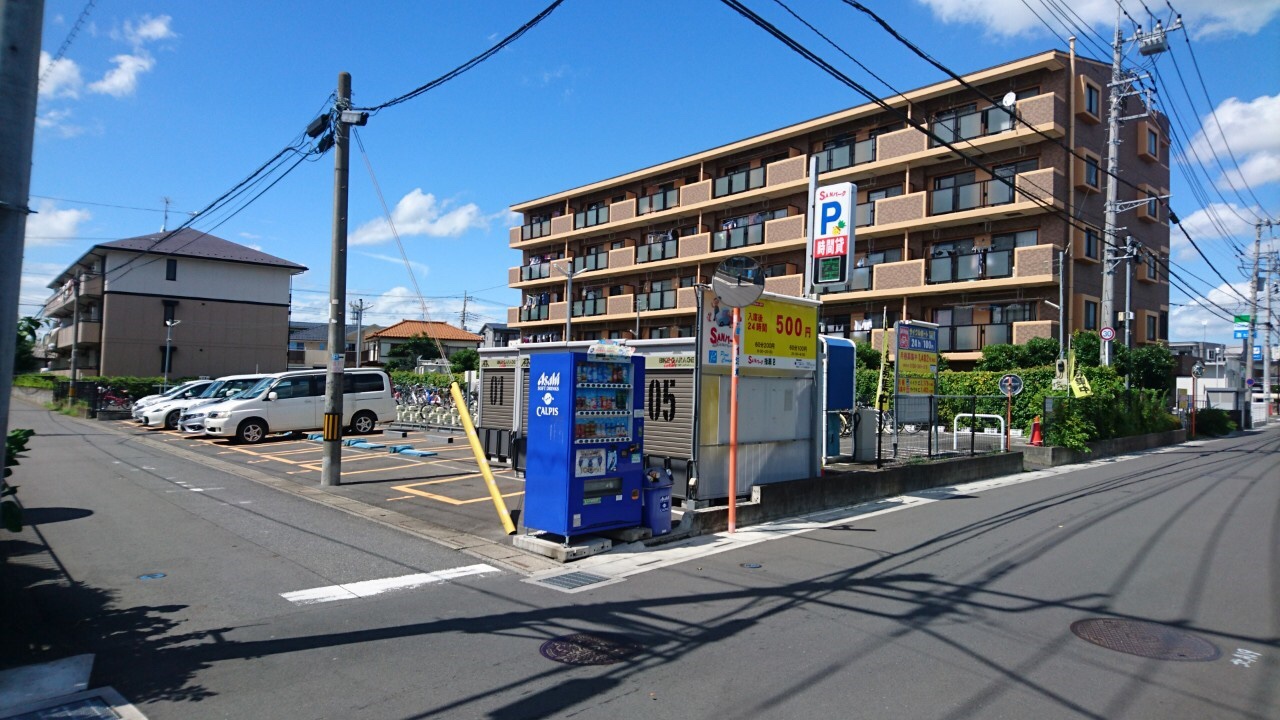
x,y
369,588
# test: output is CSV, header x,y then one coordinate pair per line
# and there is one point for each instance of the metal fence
x,y
921,427
95,396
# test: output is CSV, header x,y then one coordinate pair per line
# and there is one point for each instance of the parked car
x,y
166,413
294,401
188,389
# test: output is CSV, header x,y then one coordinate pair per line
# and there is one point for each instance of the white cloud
x,y
59,79
421,270
34,290
122,80
419,214
148,29
250,236
1186,322
1251,126
57,121
1203,18
48,225
1201,226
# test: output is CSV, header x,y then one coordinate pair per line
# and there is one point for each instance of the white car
x,y
187,389
294,401
166,413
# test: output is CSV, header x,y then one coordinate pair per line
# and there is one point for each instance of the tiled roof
x,y
438,330
193,243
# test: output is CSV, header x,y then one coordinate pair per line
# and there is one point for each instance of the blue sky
x,y
184,99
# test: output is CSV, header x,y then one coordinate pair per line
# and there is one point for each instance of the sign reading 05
x,y
780,334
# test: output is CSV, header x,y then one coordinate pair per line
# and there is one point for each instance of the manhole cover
x,y
573,580
588,649
1145,639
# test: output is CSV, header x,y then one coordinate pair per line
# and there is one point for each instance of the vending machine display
x,y
585,442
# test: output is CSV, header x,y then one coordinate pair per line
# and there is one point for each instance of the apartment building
x,y
974,247
204,305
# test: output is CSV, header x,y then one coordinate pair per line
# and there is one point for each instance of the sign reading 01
x,y
780,334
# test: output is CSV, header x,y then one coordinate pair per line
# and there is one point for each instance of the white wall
x,y
198,278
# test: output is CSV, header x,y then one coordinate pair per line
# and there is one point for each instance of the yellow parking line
x,y
345,473
437,481
263,455
297,452
449,500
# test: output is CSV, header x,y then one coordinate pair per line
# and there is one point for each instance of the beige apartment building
x,y
201,304
938,238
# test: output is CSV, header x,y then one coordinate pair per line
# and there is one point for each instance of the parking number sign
x,y
832,245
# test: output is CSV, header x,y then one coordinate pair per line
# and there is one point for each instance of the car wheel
x,y
171,420
251,432
363,422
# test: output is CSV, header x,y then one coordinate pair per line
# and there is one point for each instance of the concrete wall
x,y
1038,458
197,278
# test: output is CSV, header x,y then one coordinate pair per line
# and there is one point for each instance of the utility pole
x,y
331,469
1131,249
75,332
1121,87
358,307
1253,308
20,24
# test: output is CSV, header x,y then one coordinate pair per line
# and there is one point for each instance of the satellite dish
x,y
738,281
1009,100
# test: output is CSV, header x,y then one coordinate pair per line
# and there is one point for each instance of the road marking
x,y
369,588
402,497
381,469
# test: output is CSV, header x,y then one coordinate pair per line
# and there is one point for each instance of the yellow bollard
x,y
460,402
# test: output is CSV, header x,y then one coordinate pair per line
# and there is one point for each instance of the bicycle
x,y
108,399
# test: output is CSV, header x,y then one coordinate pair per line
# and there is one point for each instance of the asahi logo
x,y
549,382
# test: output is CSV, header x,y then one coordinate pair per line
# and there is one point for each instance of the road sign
x,y
1108,334
1250,382
1241,334
1011,384
832,244
1241,319
1257,352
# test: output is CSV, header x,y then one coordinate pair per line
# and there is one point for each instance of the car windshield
x,y
212,390
237,388
258,387
176,390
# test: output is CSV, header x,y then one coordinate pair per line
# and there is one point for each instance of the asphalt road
x,y
957,608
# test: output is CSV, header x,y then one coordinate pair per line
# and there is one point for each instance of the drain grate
x,y
1145,639
573,580
589,649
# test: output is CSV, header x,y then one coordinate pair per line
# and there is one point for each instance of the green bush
x,y
47,382
1214,421
10,510
440,380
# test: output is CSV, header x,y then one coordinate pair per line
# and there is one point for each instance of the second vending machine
x,y
585,442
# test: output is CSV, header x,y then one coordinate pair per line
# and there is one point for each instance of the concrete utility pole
x,y
75,332
1131,248
331,469
358,307
20,23
1253,307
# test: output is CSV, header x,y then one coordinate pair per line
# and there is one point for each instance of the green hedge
x,y
47,382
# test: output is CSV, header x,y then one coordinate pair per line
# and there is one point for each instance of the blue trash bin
x,y
655,511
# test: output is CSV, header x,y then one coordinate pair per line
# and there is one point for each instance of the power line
x,y
102,204
470,63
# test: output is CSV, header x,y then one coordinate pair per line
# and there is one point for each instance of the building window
x,y
659,333
1092,172
776,270
295,345
688,281
1153,273
1152,328
684,331
1091,243
170,310
1153,144
1092,100
1090,315
170,269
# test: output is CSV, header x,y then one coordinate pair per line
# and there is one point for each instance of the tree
x,y
464,360
868,357
1088,347
1000,358
405,355
1152,366
24,359
1039,352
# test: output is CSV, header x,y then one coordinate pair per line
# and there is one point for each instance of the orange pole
x,y
733,430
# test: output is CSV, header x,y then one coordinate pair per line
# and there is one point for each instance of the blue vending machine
x,y
585,442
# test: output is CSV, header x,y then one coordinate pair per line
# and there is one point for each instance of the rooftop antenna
x,y
164,226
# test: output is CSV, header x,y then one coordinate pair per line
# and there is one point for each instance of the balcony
x,y
533,313
541,271
976,265
651,252
971,125
737,182
535,230
590,218
843,156
974,195
90,334
970,338
593,261
742,236
588,308
658,202
656,300
860,277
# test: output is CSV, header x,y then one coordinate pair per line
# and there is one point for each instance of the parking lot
x,y
445,489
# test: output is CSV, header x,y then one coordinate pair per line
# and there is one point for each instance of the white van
x,y
293,401
166,413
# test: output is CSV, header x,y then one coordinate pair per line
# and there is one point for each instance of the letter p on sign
x,y
830,214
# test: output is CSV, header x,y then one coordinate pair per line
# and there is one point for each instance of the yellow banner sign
x,y
915,386
779,334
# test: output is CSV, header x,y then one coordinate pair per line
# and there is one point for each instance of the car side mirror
x,y
273,395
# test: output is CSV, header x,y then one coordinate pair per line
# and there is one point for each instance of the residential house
x,y
379,344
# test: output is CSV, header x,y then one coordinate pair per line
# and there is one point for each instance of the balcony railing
x,y
974,195
594,261
843,156
971,125
530,313
658,201
741,236
536,272
664,250
587,308
535,230
864,214
740,181
967,338
656,300
976,265
589,218
860,278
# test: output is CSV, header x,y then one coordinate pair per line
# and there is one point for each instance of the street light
x,y
168,341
